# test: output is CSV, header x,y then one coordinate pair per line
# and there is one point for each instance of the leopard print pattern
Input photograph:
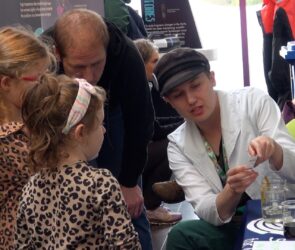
x,y
74,207
14,174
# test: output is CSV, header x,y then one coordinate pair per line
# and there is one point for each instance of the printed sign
x,y
171,18
41,14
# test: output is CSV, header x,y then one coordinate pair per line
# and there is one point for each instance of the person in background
x,y
125,18
116,12
210,154
68,203
23,61
136,27
157,169
90,48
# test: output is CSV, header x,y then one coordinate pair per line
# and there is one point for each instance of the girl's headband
x,y
80,105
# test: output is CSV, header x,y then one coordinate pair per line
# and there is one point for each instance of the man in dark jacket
x,y
97,51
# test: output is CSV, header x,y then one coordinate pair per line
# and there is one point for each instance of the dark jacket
x,y
167,119
136,27
125,81
276,33
164,126
129,114
279,73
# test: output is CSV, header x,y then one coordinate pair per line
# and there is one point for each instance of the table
x,y
255,229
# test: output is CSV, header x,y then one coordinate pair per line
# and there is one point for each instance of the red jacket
x,y
268,13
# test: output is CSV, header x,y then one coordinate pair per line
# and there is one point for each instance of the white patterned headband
x,y
80,105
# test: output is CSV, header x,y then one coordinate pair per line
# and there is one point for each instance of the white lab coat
x,y
245,114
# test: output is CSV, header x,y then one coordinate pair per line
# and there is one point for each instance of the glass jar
x,y
273,193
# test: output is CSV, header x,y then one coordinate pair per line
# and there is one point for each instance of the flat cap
x,y
178,66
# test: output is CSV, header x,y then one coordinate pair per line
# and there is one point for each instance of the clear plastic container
x,y
273,194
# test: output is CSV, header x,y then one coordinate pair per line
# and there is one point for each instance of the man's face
x,y
196,99
85,62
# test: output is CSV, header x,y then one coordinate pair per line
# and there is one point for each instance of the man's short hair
x,y
178,66
68,27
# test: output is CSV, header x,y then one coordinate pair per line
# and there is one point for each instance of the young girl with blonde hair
x,y
23,60
69,204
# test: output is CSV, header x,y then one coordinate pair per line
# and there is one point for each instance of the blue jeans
x,y
110,157
142,227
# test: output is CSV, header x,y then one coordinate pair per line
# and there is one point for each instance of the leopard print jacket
x,y
74,207
14,174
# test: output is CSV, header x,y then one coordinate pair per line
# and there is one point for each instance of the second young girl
x,y
69,204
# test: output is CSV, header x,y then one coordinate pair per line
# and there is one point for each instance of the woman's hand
x,y
240,178
265,148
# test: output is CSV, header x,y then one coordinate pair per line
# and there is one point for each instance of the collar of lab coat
x,y
190,139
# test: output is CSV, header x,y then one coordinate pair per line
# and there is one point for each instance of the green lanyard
x,y
220,171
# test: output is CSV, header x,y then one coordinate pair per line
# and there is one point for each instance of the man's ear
x,y
79,132
57,53
212,78
5,82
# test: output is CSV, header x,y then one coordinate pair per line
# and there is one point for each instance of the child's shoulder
x,y
7,129
86,167
94,172
78,174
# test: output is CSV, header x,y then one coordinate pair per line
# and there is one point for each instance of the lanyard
x,y
219,169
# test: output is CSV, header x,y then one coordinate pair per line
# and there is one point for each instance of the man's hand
x,y
134,199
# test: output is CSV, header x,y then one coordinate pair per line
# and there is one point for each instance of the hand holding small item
x,y
266,148
240,178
